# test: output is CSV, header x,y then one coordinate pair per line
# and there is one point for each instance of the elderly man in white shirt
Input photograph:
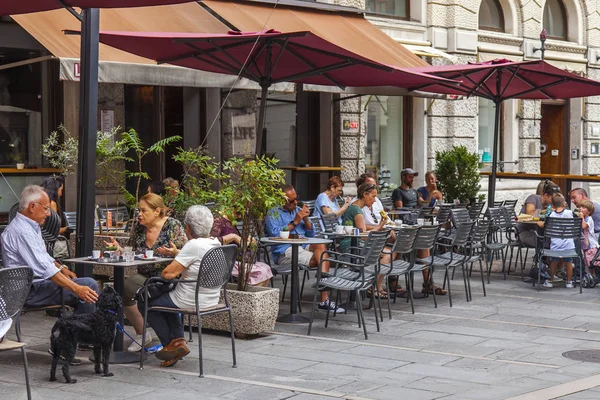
x,y
23,245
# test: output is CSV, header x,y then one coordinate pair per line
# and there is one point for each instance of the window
x,y
397,8
555,19
487,111
385,139
491,17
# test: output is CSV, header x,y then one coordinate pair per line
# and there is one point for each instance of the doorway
x,y
554,139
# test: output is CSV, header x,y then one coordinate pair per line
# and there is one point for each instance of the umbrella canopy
x,y
267,57
12,7
501,79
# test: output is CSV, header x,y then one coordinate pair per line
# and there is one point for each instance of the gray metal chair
x,y
353,273
14,287
387,202
476,209
14,209
215,271
563,228
329,222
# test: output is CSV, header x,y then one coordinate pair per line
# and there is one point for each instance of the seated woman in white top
x,y
198,223
326,202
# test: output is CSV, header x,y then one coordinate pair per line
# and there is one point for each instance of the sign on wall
x,y
244,134
350,125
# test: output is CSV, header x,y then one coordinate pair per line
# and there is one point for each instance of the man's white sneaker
x,y
547,284
330,305
133,347
569,285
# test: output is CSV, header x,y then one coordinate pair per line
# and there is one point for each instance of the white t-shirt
x,y
377,208
190,257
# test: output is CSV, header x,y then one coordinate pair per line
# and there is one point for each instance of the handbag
x,y
155,289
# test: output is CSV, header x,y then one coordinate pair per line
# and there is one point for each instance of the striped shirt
x,y
22,244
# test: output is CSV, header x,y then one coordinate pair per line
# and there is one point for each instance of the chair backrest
x,y
311,206
405,239
13,212
510,203
119,214
510,212
480,231
387,202
425,212
329,222
563,228
459,216
14,287
373,246
316,222
475,209
459,205
497,203
71,218
443,214
499,217
427,236
463,233
411,217
216,266
50,231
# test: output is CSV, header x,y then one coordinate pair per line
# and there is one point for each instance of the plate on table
x,y
141,257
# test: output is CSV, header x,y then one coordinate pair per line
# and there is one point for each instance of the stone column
x,y
352,140
530,112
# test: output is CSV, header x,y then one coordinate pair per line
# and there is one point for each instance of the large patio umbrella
x,y
90,27
267,57
502,79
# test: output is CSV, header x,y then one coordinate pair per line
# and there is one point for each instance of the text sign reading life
x,y
350,125
76,70
244,134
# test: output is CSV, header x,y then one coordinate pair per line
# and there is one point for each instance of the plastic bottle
x,y
548,210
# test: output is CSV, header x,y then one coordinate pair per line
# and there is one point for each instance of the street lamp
x,y
542,48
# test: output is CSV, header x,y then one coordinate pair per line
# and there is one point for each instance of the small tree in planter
x,y
249,190
457,173
61,154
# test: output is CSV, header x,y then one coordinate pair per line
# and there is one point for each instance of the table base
x,y
293,319
122,357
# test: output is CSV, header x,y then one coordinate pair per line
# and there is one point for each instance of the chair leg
x,y
200,361
482,279
144,330
359,311
303,280
26,367
232,338
462,267
449,290
328,309
410,291
432,285
190,340
312,312
375,309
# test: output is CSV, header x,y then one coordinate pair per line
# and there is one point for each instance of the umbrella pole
x,y
492,182
261,117
86,189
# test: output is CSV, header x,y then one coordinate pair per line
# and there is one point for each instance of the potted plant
x,y
348,227
457,173
285,233
249,188
61,154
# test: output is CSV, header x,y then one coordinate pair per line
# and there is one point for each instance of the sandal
x,y
382,295
438,291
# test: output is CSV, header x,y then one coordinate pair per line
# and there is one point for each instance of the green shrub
x,y
457,173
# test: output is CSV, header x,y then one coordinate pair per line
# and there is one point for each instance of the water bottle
x,y
548,210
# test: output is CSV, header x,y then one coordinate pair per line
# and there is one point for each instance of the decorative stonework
x,y
499,38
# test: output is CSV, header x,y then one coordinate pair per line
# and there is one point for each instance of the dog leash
x,y
148,350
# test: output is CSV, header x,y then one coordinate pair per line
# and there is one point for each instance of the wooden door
x,y
554,140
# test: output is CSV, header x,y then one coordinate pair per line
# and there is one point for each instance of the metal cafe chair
x,y
14,287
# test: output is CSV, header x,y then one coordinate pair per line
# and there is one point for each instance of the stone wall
x,y
351,139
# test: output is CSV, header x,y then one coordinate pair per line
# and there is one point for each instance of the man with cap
x,y
406,195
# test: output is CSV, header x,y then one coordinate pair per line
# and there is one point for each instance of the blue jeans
x,y
47,293
168,326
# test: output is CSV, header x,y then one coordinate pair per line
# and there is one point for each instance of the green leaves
x,y
61,154
457,173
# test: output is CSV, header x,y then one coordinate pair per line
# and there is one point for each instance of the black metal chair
x,y
503,235
14,287
478,251
387,202
14,209
311,206
349,272
329,222
215,271
443,215
510,203
562,228
71,218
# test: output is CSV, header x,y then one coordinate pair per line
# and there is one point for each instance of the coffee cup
x,y
149,254
420,221
284,234
339,229
348,229
96,254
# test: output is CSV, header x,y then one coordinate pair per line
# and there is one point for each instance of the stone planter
x,y
254,311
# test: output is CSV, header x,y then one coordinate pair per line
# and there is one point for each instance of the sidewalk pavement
x,y
507,345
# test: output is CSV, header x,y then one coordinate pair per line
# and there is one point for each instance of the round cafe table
x,y
293,317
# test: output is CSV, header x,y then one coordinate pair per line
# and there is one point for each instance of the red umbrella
x,y
267,57
12,7
502,79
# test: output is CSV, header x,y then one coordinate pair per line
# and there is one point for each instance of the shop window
x,y
487,111
396,8
491,17
385,139
20,107
555,19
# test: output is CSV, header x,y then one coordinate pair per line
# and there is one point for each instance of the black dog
x,y
96,329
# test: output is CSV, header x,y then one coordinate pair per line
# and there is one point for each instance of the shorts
x,y
132,284
567,260
304,256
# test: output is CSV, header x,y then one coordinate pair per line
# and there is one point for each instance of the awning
x,y
117,66
429,51
349,30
